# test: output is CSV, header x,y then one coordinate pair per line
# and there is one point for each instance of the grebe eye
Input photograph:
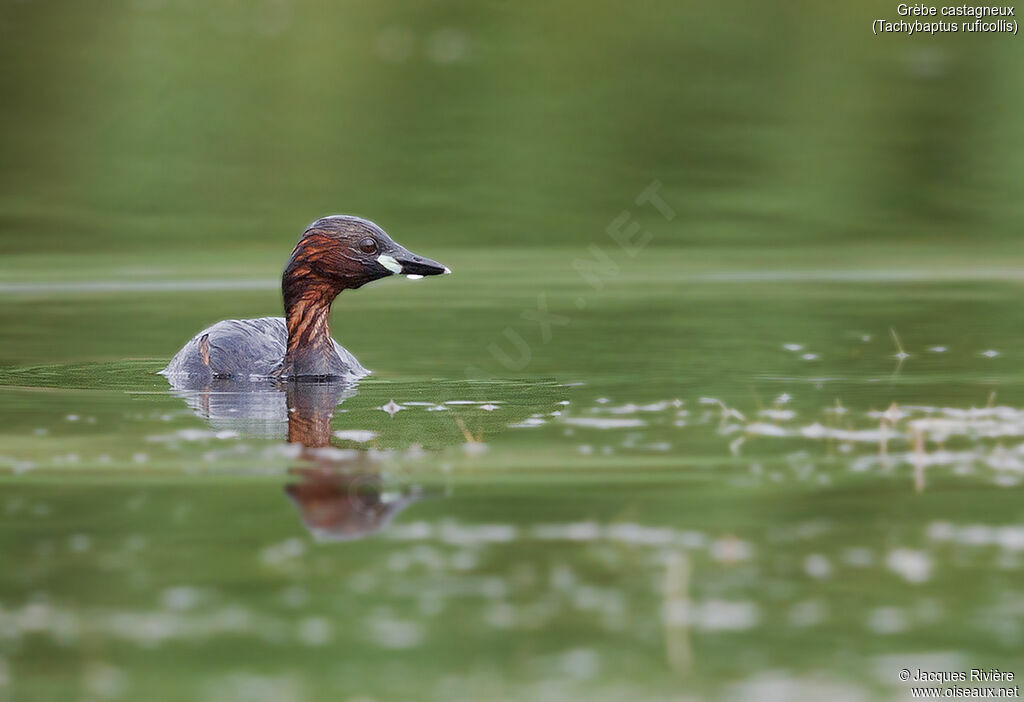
x,y
368,245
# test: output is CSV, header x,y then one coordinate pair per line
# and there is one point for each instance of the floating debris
x,y
392,408
360,436
603,422
913,566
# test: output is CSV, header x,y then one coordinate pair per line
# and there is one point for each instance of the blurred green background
x,y
776,454
184,129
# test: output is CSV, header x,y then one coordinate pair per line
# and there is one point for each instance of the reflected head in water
x,y
340,494
340,498
337,505
335,253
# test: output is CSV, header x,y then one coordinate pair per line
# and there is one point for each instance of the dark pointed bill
x,y
411,265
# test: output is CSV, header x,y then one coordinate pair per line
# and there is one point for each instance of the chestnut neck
x,y
307,308
306,316
316,273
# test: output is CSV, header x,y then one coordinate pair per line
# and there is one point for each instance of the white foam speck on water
x,y
765,429
818,566
726,615
581,663
501,616
80,543
730,549
941,531
779,686
578,531
315,631
810,357
1009,537
489,407
288,451
937,349
528,423
453,533
180,598
807,613
464,560
283,554
387,631
793,347
253,687
360,436
913,566
991,353
392,408
870,436
603,422
147,628
194,435
727,549
104,681
631,408
475,448
887,620
777,415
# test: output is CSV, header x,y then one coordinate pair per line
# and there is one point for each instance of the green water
x,y
769,445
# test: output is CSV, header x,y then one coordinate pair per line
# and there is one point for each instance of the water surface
x,y
759,494
761,438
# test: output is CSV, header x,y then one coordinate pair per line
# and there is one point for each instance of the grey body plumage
x,y
249,349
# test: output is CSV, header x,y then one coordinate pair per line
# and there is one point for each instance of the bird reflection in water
x,y
340,494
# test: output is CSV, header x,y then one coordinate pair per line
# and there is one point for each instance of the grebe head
x,y
344,252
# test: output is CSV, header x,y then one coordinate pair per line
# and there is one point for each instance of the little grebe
x,y
335,253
